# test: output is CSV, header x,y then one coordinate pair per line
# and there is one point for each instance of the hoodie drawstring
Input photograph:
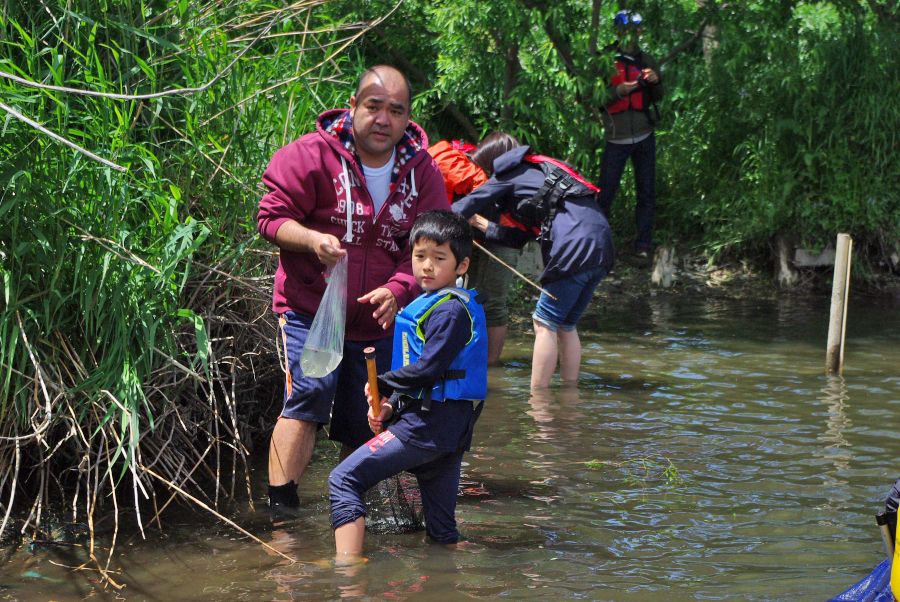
x,y
345,182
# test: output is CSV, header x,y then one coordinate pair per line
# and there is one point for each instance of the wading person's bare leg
x,y
290,450
348,540
496,338
543,362
569,356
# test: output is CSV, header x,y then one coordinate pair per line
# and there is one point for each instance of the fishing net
x,y
394,506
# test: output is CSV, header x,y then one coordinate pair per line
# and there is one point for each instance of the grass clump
x,y
136,354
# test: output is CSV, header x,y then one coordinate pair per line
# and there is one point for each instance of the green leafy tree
x,y
746,149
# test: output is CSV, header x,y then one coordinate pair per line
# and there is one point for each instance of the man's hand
x,y
328,249
386,305
650,76
291,235
626,88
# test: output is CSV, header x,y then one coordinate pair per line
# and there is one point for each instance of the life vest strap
x,y
448,375
531,158
462,146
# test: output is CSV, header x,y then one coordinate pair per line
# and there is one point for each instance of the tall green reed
x,y
137,298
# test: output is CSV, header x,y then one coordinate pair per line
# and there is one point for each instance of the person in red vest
x,y
461,176
629,119
465,168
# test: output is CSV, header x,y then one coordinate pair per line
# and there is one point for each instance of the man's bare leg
x,y
290,450
496,336
346,450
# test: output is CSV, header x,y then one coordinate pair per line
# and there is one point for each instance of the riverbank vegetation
x,y
138,357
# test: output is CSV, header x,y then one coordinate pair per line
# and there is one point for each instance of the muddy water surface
x,y
705,456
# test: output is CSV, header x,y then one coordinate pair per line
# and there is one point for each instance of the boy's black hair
x,y
444,226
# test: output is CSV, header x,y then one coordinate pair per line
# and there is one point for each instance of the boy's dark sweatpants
x,y
385,456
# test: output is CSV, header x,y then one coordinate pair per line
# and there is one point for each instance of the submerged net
x,y
394,506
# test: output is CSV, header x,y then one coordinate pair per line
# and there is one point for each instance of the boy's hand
x,y
375,422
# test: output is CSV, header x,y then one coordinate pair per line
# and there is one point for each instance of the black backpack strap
x,y
454,375
650,108
563,184
549,198
550,181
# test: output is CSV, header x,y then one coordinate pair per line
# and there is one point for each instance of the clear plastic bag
x,y
324,346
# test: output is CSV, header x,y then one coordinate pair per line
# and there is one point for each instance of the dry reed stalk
x,y
54,135
344,44
513,270
230,522
113,96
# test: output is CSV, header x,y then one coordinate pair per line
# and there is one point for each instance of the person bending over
x,y
549,200
465,168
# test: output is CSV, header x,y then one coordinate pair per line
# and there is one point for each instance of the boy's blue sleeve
x,y
447,330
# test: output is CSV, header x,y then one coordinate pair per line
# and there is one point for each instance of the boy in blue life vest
x,y
432,394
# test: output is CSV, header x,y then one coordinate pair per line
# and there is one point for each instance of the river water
x,y
705,456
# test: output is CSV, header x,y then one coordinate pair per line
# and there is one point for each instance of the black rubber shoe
x,y
284,498
643,256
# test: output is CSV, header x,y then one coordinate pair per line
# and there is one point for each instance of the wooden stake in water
x,y
837,326
373,380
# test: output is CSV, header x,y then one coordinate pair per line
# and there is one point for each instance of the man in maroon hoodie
x,y
353,187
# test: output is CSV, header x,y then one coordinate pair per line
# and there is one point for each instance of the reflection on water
x,y
835,395
705,455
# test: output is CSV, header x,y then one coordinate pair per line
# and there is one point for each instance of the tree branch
x,y
512,68
419,76
683,46
883,13
550,29
595,25
696,36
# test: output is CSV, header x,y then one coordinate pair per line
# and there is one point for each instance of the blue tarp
x,y
874,588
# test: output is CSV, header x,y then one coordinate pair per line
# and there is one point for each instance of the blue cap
x,y
626,17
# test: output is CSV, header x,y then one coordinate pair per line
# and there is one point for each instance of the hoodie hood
x,y
336,126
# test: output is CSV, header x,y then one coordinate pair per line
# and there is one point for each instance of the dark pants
x,y
385,456
337,397
643,159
